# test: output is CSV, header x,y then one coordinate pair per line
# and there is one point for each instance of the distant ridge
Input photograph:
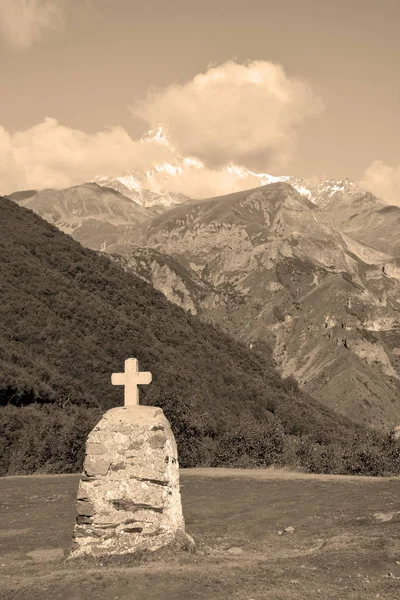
x,y
91,213
154,187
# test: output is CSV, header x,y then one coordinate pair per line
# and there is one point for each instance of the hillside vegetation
x,y
70,317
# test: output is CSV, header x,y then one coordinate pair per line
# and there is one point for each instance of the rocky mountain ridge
x,y
315,272
94,215
154,187
327,304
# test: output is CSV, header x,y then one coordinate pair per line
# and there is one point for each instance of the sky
x,y
309,88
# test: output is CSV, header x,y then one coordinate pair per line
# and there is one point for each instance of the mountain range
x,y
311,268
72,316
153,187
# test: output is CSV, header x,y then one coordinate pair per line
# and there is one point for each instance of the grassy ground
x,y
345,544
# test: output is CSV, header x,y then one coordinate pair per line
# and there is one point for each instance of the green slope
x,y
70,317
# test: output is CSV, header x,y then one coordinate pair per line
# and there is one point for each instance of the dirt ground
x,y
345,543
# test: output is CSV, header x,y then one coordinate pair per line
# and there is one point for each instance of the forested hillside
x,y
70,317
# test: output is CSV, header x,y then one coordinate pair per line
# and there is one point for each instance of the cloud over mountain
x,y
246,113
383,181
51,155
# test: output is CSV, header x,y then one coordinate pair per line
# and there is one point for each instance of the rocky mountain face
x,y
179,284
280,269
311,268
94,215
366,219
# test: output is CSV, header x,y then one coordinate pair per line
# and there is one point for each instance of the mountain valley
x,y
313,270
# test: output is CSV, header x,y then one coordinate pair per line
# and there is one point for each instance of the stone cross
x,y
131,378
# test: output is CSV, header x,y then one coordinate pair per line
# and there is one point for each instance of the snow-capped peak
x,y
156,136
130,182
320,192
153,186
147,188
266,179
244,173
168,168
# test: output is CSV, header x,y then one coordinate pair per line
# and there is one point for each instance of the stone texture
x,y
96,466
85,508
128,496
94,449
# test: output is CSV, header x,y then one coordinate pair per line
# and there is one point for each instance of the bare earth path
x,y
345,544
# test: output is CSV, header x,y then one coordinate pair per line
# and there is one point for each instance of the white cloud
x,y
23,22
51,155
383,181
246,113
204,182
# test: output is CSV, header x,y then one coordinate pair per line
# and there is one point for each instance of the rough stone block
x,y
85,508
95,449
158,441
129,497
96,466
82,520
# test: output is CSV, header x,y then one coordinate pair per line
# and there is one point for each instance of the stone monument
x,y
128,496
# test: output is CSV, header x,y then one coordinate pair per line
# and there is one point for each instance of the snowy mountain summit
x,y
178,179
317,191
320,192
155,187
142,189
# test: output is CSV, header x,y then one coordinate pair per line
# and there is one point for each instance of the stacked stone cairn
x,y
129,496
